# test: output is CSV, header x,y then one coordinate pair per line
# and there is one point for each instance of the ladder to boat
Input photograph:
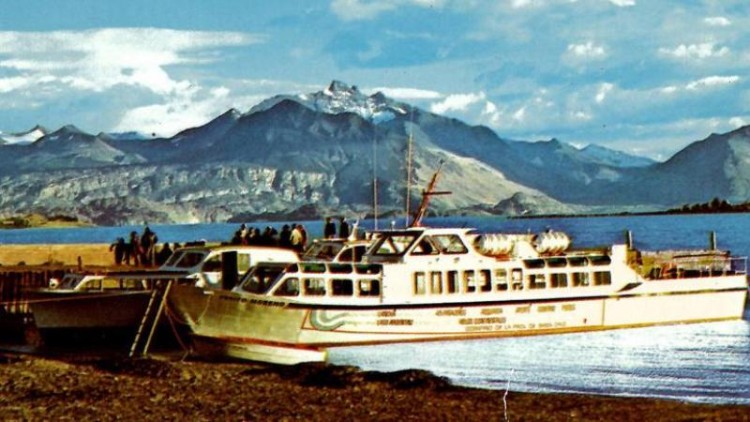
x,y
150,320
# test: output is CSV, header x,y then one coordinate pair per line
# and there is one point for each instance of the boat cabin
x,y
221,266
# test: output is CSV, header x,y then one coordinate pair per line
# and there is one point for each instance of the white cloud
x,y
408,93
457,102
587,50
738,122
623,3
101,58
520,114
717,21
695,51
604,89
353,10
712,81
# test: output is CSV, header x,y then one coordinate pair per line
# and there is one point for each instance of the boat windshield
x,y
322,251
260,279
186,259
395,243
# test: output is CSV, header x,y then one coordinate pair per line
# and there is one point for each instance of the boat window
x,y
395,243
111,283
315,286
580,279
292,268
485,282
243,262
470,285
369,288
368,268
132,284
313,267
577,261
340,268
602,278
556,262
558,280
533,263
452,281
436,282
260,278
537,281
190,259
290,287
419,283
342,287
322,251
450,243
92,284
501,279
600,260
517,279
172,260
359,252
213,264
425,247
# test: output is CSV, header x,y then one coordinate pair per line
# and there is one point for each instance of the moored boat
x,y
110,305
425,284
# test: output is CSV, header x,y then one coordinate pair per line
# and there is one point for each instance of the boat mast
x,y
408,169
375,180
426,195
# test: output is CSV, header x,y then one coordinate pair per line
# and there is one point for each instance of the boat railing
x,y
700,265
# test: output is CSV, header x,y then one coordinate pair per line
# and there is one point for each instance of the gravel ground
x,y
117,388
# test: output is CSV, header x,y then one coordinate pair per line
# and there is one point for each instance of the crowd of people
x,y
141,250
290,237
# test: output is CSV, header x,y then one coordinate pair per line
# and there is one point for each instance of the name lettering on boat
x,y
450,312
260,302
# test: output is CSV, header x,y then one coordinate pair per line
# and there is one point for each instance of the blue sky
x,y
646,77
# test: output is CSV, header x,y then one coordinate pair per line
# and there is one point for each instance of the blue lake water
x,y
696,362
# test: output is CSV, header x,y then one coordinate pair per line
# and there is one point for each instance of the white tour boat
x,y
425,284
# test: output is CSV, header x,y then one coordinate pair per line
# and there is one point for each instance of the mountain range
x,y
329,152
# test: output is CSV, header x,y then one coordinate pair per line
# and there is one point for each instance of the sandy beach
x,y
96,388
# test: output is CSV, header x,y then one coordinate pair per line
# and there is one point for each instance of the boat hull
x,y
81,315
273,330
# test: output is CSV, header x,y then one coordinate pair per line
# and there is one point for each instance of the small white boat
x,y
425,284
112,304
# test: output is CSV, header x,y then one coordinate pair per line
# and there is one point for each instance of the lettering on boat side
x,y
387,314
492,311
450,312
259,302
479,321
395,322
321,320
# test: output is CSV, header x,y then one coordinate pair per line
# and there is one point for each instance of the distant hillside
x,y
320,153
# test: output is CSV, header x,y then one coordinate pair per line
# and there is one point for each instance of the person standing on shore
x,y
343,228
119,248
329,229
133,250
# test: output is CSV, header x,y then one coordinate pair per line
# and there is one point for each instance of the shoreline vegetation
x,y
167,388
715,206
29,221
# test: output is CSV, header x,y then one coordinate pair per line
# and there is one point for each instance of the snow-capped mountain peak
x,y
27,137
340,97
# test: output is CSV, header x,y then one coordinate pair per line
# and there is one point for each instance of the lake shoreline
x,y
103,388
